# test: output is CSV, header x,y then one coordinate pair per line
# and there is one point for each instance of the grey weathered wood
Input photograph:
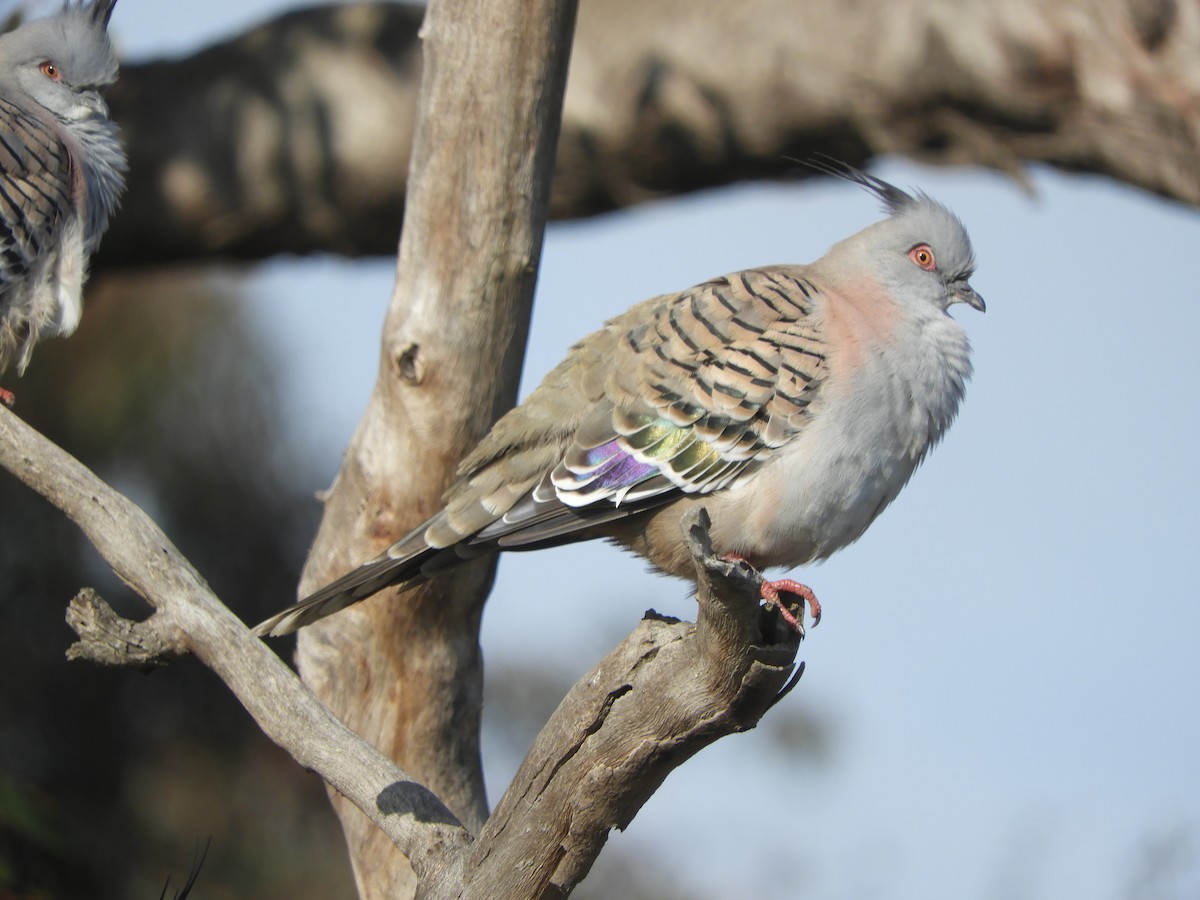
x,y
108,639
668,690
188,617
407,673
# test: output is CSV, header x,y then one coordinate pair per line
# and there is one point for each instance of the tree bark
x,y
667,691
237,158
407,674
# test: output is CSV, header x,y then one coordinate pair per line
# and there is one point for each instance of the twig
x,y
108,639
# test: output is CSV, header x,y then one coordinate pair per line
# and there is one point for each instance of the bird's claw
x,y
8,398
770,592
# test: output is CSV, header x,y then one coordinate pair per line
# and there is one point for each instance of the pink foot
x,y
7,398
771,590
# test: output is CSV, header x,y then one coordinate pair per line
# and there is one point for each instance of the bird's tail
x,y
358,584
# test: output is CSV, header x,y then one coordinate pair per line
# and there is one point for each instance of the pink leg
x,y
7,398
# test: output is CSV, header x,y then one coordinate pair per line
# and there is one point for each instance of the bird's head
x,y
63,61
921,252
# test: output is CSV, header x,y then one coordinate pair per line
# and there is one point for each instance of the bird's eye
x,y
51,71
922,255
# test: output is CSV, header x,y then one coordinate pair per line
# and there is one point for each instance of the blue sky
x,y
1007,658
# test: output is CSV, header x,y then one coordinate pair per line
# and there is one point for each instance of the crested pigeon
x,y
793,402
62,171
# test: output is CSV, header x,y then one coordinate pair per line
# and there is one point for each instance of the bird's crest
x,y
933,220
894,200
102,11
76,38
99,11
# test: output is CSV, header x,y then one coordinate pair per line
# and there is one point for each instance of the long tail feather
x,y
411,560
352,587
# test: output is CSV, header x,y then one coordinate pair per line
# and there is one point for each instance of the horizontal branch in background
x,y
294,137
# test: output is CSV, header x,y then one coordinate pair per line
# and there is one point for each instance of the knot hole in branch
x,y
410,365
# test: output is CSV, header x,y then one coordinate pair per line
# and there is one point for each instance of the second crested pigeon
x,y
62,171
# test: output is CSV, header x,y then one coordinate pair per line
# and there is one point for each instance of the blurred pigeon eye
x,y
51,71
922,255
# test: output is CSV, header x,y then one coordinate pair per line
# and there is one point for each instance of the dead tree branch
x,y
233,157
108,639
667,691
407,674
189,618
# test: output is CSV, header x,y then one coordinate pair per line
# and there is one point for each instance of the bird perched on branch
x,y
793,402
62,171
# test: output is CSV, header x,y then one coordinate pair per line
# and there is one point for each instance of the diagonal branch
x,y
188,617
668,690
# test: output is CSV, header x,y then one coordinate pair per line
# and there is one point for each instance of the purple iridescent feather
x,y
618,468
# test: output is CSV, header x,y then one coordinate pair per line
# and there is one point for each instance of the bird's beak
x,y
91,106
964,293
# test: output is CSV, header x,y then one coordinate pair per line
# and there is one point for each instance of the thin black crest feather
x,y
102,11
894,200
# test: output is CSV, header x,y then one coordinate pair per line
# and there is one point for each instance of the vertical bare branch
x,y
406,673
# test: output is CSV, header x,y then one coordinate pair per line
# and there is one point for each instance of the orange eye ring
x,y
922,255
50,70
